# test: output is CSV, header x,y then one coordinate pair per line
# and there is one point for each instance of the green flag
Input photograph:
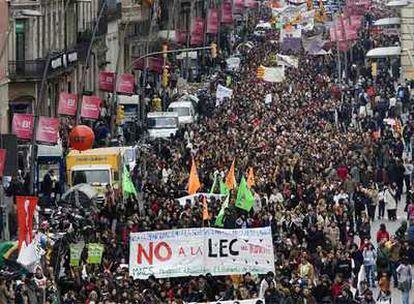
x,y
245,199
214,184
95,252
220,215
128,187
223,188
75,253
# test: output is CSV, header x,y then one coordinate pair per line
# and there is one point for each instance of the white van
x,y
185,110
162,124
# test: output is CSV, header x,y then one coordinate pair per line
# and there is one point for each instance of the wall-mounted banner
x,y
2,161
67,104
47,130
198,251
106,81
212,21
22,125
91,107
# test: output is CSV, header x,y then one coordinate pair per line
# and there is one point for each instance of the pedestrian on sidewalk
x,y
404,273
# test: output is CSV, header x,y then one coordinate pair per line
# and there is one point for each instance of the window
x,y
20,43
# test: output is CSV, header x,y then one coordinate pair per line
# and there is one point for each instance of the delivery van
x,y
162,124
97,167
185,110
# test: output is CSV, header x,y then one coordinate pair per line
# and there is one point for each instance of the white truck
x,y
162,124
185,110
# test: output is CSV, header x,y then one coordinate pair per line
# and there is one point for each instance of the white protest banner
x,y
289,61
268,99
190,198
307,21
223,92
233,63
250,301
198,251
30,255
274,74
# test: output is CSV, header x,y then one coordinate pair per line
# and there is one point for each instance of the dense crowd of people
x,y
327,165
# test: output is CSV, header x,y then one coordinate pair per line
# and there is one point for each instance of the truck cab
x,y
185,110
162,124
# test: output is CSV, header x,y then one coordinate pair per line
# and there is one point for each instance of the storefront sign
x,y
67,104
47,130
22,125
91,107
198,251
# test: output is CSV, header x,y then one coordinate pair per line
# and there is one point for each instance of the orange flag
x,y
206,216
250,178
193,181
231,178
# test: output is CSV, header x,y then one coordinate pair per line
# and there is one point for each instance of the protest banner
x,y
30,255
106,81
126,84
26,206
250,301
95,252
289,61
222,92
75,253
198,251
274,74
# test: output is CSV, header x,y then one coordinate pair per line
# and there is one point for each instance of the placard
x,y
22,125
67,104
47,130
198,251
91,107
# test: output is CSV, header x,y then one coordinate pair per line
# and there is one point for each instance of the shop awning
x,y
388,21
383,52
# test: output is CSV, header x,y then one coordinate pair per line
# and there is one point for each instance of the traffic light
x,y
120,114
164,50
165,77
260,72
213,50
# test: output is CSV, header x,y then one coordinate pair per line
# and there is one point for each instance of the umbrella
x,y
81,195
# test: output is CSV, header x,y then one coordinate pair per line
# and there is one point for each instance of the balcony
x,y
24,69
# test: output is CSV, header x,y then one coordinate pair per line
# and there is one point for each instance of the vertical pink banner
x,y
126,84
227,12
67,104
197,31
22,125
47,130
212,21
238,6
2,161
106,81
91,107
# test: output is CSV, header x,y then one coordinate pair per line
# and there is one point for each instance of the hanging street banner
x,y
67,104
106,81
91,107
22,125
126,84
198,251
47,130
250,301
2,161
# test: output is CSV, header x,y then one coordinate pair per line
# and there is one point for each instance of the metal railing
x,y
26,68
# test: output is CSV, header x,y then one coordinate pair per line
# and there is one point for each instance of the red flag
x,y
212,21
26,206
